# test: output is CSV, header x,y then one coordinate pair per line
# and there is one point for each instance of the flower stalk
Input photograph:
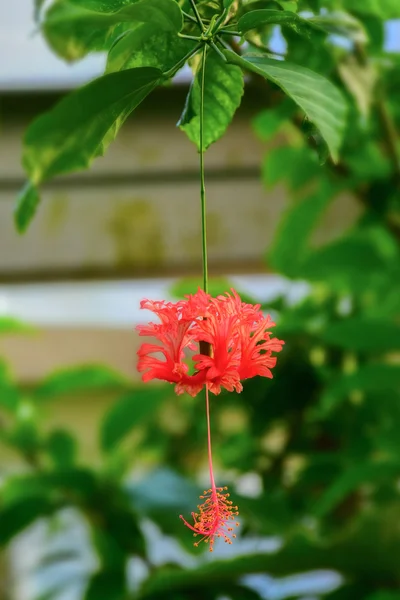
x,y
232,339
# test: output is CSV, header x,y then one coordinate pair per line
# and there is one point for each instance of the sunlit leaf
x,y
80,128
222,96
142,47
385,9
322,102
10,325
74,28
259,18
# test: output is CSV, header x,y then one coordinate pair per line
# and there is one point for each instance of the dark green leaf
x,y
81,482
81,127
222,96
384,596
354,555
26,205
61,446
321,101
9,393
80,379
106,585
74,28
259,18
128,412
142,47
368,378
363,335
350,480
16,517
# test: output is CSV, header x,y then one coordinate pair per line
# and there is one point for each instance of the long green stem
x,y
197,15
180,63
202,179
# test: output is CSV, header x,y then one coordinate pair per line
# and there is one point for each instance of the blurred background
x,y
96,469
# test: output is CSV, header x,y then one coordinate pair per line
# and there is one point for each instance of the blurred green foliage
x,y
320,442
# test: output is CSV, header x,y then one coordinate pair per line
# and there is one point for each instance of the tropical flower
x,y
232,340
215,518
229,341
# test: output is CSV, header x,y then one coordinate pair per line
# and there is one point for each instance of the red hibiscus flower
x,y
229,341
232,338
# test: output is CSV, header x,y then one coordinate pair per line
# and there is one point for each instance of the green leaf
x,y
81,482
360,80
61,446
81,126
363,334
74,28
10,325
9,393
350,480
268,122
321,101
294,166
354,555
128,412
80,379
384,596
385,9
295,229
346,264
16,517
26,205
222,96
343,24
106,585
142,47
368,378
103,6
259,18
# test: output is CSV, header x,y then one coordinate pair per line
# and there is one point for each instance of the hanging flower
x,y
231,337
230,341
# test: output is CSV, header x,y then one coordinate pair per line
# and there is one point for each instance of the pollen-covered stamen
x,y
216,517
